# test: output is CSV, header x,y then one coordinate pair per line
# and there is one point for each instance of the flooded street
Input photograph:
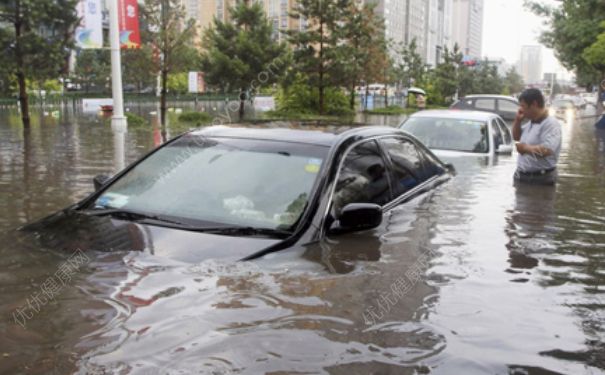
x,y
477,277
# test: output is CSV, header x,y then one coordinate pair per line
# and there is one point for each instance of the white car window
x,y
487,104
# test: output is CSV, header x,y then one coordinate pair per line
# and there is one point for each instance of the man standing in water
x,y
538,141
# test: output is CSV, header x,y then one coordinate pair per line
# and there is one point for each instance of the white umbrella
x,y
416,90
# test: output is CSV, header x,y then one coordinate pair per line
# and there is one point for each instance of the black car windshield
x,y
221,181
449,133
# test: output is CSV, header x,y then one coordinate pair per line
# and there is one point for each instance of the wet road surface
x,y
477,277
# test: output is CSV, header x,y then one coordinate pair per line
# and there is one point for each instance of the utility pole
x,y
118,121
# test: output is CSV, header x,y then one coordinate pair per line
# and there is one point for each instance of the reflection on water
x,y
477,277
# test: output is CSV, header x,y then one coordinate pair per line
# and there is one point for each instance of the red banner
x,y
128,18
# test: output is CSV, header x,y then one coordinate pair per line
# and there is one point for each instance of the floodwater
x,y
475,278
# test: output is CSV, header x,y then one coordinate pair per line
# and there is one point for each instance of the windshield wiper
x,y
131,215
244,231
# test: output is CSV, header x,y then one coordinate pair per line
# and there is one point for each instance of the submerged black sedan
x,y
240,193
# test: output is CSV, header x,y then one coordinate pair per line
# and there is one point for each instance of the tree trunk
x,y
242,101
365,105
600,95
321,65
163,93
23,98
352,96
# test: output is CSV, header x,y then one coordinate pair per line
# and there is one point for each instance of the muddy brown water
x,y
475,278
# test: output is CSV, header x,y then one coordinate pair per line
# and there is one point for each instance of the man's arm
x,y
516,129
537,150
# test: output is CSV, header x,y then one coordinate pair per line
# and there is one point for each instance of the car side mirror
x,y
358,216
100,180
450,167
504,149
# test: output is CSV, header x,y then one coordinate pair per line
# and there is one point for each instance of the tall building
x,y
530,64
438,29
468,26
204,12
427,21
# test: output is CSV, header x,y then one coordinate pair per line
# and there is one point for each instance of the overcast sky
x,y
507,26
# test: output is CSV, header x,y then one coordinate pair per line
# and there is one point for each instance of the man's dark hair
x,y
532,95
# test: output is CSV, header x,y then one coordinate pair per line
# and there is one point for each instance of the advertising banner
x,y
89,34
196,82
128,21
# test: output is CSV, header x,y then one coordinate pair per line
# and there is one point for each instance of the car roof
x,y
456,114
295,132
490,96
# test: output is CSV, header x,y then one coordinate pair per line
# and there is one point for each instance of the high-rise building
x,y
467,26
438,29
530,64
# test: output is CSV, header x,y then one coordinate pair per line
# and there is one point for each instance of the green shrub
x,y
135,120
199,118
301,98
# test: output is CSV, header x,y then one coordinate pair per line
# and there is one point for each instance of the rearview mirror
x,y
100,180
358,216
504,149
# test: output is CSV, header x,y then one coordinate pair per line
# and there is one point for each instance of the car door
x,y
496,133
507,109
507,137
362,178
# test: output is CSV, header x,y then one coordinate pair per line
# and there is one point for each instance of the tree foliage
x,y
93,69
35,37
364,45
409,66
319,43
172,37
240,55
573,28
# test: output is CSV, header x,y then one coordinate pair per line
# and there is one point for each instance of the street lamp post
x,y
118,121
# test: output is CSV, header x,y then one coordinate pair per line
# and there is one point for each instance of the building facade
x,y
467,26
429,22
530,64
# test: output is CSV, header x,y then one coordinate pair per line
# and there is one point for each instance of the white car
x,y
454,132
590,97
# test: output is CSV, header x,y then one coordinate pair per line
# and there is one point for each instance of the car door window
x,y
508,140
496,134
408,164
507,106
486,104
363,178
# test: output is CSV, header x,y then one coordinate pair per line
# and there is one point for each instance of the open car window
x,y
363,178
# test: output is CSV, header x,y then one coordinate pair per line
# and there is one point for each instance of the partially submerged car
x,y
240,193
563,109
504,106
452,132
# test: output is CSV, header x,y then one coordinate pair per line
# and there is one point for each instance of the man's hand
x,y
537,150
516,128
520,116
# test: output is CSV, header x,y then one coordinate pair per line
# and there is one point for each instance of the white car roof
x,y
456,114
490,96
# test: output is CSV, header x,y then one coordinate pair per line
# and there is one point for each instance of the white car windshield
x,y
221,181
449,133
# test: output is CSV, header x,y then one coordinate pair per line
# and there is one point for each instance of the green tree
x,y
35,37
173,38
447,74
487,80
573,27
93,69
139,68
318,44
241,54
595,56
363,30
410,67
513,81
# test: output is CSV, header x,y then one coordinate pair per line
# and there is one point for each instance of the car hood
x,y
69,231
